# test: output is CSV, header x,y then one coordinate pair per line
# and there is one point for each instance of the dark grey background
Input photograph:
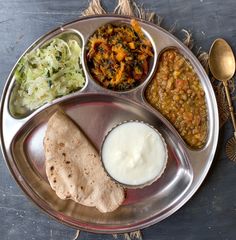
x,y
211,213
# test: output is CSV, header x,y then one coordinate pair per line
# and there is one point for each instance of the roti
x,y
74,168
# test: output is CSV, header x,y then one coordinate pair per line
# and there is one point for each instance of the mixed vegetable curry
x,y
118,56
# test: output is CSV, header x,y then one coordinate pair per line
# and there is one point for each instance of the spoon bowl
x,y
221,60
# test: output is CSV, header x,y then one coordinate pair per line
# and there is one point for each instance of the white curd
x,y
134,153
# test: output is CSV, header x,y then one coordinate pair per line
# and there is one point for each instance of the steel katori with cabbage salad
x,y
46,73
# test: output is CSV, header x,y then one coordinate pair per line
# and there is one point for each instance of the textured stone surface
x,y
211,213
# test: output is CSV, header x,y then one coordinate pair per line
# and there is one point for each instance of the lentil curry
x,y
177,93
118,56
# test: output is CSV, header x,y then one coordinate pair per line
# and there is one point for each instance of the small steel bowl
x,y
133,186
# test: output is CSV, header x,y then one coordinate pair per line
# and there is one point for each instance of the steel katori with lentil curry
x,y
177,93
118,56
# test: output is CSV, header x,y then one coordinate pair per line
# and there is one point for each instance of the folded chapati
x,y
74,169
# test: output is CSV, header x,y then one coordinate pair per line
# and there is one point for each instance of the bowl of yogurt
x,y
134,154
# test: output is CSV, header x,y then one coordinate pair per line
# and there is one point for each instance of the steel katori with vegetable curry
x,y
118,56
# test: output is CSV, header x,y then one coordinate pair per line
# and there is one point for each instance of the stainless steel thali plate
x,y
97,110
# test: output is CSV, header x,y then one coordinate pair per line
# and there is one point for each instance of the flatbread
x,y
74,168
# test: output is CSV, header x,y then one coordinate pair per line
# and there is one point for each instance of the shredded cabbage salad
x,y
49,72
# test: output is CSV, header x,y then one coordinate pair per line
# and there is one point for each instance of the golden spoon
x,y
222,66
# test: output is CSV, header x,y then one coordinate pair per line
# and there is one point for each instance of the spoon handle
x,y
231,109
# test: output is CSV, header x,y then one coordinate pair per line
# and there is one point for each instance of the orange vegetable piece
x,y
132,45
